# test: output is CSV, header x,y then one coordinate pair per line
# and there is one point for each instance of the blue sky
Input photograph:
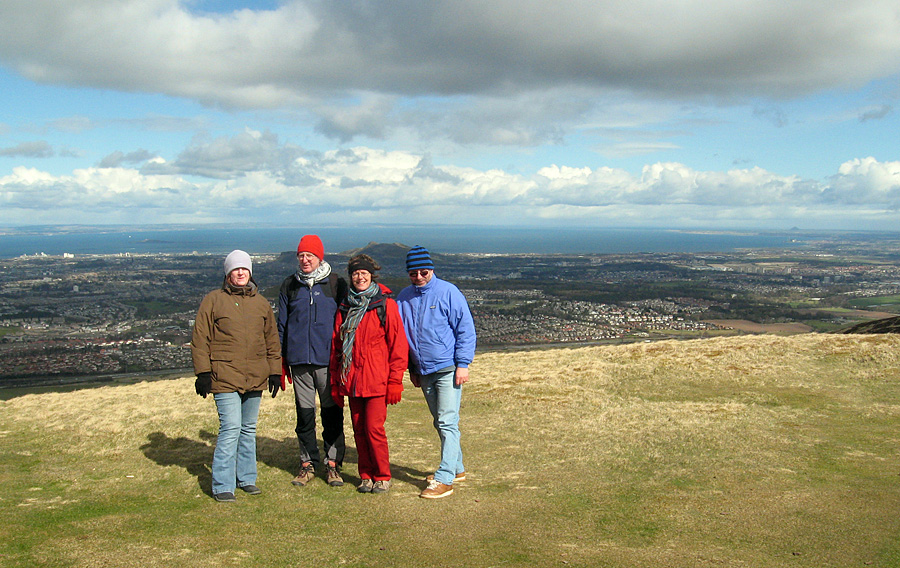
x,y
743,115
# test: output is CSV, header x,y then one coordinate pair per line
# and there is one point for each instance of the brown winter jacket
x,y
236,339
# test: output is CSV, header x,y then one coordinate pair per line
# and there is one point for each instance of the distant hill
x,y
384,253
391,257
886,325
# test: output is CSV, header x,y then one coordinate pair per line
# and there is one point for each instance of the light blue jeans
x,y
444,396
234,461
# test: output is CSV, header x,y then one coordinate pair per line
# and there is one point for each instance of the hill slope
x,y
884,325
756,451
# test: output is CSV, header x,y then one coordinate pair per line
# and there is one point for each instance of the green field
x,y
882,303
754,451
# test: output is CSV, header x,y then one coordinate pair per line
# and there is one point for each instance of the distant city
x,y
74,317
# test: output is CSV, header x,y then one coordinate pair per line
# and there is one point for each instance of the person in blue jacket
x,y
441,336
307,304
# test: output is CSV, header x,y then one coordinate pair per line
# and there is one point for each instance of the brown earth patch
x,y
753,327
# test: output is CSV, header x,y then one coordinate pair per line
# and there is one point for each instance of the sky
x,y
729,115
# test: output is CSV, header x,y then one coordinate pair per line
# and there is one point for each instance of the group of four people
x,y
336,341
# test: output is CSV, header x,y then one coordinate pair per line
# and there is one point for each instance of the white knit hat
x,y
238,259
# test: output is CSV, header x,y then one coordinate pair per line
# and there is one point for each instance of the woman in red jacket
x,y
368,357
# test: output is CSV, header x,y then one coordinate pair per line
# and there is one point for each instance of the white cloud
x,y
276,183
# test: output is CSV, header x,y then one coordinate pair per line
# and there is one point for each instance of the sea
x,y
56,241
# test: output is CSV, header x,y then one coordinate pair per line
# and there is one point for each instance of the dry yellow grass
x,y
743,451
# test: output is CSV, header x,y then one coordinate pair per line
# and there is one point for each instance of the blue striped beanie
x,y
418,259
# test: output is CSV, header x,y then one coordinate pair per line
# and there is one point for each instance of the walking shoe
x,y
333,476
436,490
461,476
251,489
307,473
381,486
224,497
366,486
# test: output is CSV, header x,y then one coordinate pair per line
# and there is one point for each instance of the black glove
x,y
203,384
274,384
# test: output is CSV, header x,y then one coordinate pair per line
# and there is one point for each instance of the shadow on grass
x,y
414,477
195,456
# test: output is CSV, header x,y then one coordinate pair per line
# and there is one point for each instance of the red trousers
x,y
368,416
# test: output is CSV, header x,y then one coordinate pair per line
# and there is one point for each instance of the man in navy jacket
x,y
441,336
307,304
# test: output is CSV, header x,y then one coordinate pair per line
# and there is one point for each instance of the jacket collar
x,y
248,290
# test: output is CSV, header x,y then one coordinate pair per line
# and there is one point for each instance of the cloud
x,y
875,113
368,117
73,124
254,176
227,158
117,158
305,52
866,181
772,114
36,149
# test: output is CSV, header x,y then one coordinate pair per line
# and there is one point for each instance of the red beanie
x,y
312,244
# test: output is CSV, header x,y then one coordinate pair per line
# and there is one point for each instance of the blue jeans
x,y
443,396
234,461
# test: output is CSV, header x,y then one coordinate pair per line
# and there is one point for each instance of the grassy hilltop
x,y
757,451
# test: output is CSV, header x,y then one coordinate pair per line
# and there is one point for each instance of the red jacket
x,y
379,352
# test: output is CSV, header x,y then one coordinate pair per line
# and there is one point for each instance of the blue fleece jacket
x,y
438,326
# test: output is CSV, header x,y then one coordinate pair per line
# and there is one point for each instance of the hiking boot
x,y
461,476
251,489
225,497
366,486
381,486
307,473
436,490
333,476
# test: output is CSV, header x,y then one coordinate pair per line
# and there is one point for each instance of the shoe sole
x,y
442,495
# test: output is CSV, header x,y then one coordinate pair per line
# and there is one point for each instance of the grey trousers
x,y
309,380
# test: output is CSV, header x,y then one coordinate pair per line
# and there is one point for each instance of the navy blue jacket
x,y
306,319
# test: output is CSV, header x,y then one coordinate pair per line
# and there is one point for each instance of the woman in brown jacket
x,y
236,354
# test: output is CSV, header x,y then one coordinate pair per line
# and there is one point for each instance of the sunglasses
x,y
422,273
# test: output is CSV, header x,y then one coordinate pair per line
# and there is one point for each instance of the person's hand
x,y
337,398
394,393
415,379
462,375
274,384
203,384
